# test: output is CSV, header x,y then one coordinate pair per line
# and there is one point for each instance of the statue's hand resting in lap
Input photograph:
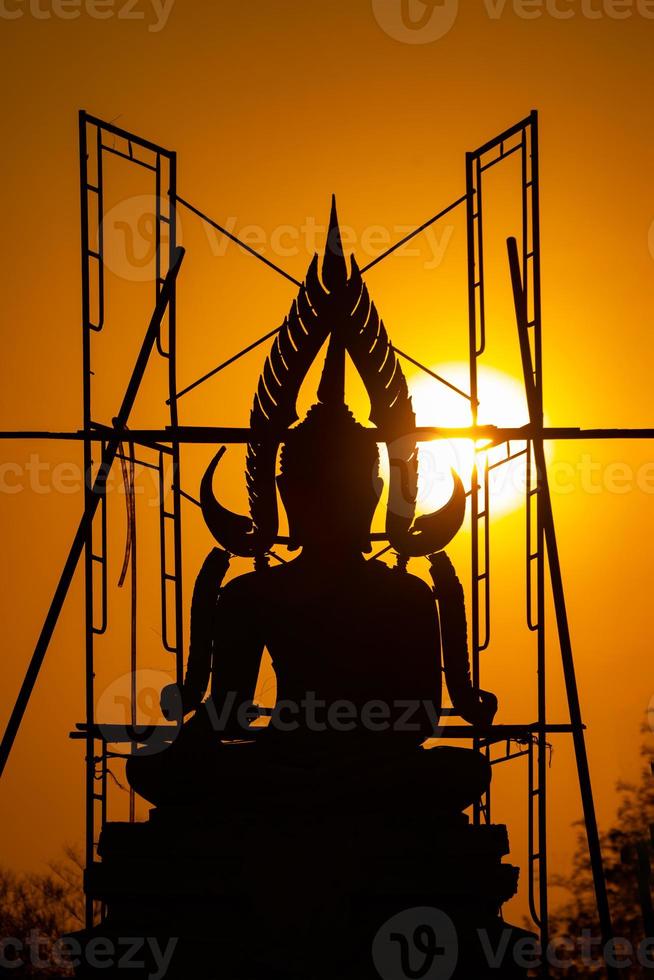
x,y
477,707
171,703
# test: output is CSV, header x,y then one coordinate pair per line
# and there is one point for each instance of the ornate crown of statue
x,y
336,306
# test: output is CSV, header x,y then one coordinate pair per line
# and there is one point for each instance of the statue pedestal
x,y
307,895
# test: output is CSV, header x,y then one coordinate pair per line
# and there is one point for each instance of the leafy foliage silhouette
x,y
46,904
634,816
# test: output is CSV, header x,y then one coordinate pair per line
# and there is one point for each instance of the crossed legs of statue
x,y
345,772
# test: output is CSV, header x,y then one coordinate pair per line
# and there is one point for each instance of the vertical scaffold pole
x,y
472,215
174,421
88,483
563,627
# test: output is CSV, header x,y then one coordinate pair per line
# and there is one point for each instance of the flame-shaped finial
x,y
334,269
331,390
339,309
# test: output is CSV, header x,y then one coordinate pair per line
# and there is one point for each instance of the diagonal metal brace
x,y
86,521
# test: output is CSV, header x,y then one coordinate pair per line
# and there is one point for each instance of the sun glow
x,y
501,402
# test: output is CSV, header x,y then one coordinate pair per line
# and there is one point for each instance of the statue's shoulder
x,y
251,584
401,582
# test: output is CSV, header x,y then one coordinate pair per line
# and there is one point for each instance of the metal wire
x,y
286,275
417,231
233,238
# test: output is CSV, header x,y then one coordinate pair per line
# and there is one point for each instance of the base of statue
x,y
310,895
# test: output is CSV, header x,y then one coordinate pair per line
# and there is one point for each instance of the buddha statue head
x,y
329,480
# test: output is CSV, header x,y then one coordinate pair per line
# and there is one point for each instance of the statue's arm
x,y
475,706
238,647
203,613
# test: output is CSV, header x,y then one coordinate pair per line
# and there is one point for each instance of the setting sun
x,y
501,402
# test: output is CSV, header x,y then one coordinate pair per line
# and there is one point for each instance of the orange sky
x,y
271,107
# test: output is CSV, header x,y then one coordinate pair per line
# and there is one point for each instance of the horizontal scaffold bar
x,y
131,138
214,434
114,734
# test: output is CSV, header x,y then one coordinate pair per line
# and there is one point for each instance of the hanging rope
x,y
127,465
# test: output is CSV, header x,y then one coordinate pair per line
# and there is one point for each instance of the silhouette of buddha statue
x,y
358,648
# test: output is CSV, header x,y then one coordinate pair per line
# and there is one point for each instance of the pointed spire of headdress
x,y
331,390
334,268
340,309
